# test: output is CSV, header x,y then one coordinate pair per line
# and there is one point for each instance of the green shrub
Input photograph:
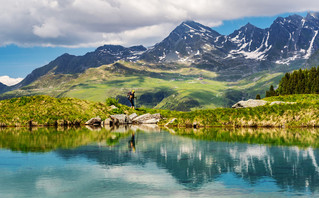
x,y
112,101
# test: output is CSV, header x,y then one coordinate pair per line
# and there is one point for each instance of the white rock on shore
x,y
256,103
249,103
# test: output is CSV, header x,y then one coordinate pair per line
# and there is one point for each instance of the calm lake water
x,y
156,163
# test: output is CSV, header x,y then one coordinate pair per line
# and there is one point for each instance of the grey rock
x,y
249,103
129,121
113,107
150,121
122,118
170,122
142,117
147,119
115,121
157,116
132,116
94,121
107,122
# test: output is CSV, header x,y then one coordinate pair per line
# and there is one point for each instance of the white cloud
x,y
49,29
10,81
76,23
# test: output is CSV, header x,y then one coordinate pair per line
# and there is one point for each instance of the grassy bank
x,y
304,113
45,110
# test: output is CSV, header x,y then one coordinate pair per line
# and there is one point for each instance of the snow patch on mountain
x,y
309,51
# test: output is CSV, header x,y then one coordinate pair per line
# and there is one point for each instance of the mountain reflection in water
x,y
195,158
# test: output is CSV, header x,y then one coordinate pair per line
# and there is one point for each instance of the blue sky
x,y
229,26
20,61
33,33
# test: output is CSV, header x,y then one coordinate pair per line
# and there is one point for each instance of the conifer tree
x,y
298,82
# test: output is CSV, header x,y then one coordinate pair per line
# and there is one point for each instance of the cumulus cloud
x,y
88,23
10,81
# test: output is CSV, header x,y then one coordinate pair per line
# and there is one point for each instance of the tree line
x,y
300,81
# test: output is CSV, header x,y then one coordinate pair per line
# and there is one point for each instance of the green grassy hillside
x,y
171,86
46,110
303,113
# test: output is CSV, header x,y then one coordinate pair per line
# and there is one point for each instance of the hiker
x,y
130,97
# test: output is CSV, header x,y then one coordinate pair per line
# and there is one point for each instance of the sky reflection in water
x,y
162,164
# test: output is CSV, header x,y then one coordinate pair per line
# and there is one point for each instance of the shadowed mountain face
x,y
3,88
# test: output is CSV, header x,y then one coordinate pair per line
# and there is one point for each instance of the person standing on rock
x,y
130,97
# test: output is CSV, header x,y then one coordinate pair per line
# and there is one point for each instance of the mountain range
x,y
247,54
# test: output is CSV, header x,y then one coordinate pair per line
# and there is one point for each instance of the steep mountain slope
x,y
69,64
185,42
3,88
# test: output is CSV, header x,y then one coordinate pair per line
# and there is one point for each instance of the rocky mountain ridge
x,y
286,40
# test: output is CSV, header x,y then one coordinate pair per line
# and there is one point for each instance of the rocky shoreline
x,y
123,119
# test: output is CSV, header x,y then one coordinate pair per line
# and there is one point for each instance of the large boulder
x,y
150,121
121,118
147,119
132,116
94,121
108,122
249,103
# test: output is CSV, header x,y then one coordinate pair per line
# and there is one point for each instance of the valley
x,y
175,87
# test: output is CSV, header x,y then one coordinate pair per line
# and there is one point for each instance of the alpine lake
x,y
146,161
